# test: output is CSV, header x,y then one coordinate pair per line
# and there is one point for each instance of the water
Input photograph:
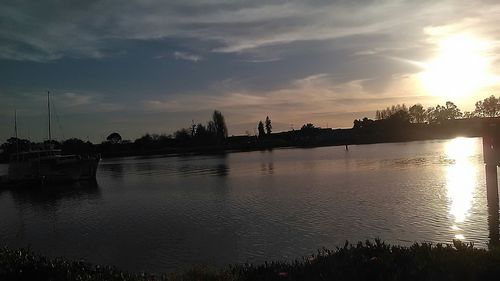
x,y
164,213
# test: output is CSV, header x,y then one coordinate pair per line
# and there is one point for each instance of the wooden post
x,y
491,155
493,218
491,184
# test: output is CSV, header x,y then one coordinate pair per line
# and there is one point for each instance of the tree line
x,y
214,133
489,107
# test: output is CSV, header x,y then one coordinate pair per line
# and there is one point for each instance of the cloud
x,y
317,98
67,103
187,56
262,60
54,29
301,61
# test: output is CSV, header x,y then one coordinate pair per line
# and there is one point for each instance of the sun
x,y
460,68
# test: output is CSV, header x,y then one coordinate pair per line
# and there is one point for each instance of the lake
x,y
161,214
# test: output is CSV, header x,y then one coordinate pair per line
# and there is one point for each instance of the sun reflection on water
x,y
460,179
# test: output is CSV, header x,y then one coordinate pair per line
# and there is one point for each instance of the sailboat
x,y
46,164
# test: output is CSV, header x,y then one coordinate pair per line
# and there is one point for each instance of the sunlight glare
x,y
460,68
460,149
461,177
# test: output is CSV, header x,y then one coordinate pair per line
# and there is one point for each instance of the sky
x,y
137,67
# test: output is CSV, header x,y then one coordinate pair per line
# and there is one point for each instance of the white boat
x,y
46,164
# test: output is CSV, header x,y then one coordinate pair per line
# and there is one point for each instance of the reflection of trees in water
x,y
216,166
115,170
48,200
222,170
267,168
267,164
148,166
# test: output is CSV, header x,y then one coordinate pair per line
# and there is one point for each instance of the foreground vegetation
x,y
363,261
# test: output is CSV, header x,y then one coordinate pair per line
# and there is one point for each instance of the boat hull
x,y
53,170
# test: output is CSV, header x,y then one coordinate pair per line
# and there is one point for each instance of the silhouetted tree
x,y
429,114
399,117
269,127
479,111
452,111
219,124
76,146
211,128
260,128
468,114
200,131
52,144
183,135
13,145
308,126
363,124
203,135
441,113
489,107
389,111
114,138
144,141
417,113
193,129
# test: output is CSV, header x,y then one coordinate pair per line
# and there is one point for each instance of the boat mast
x,y
15,123
15,133
48,107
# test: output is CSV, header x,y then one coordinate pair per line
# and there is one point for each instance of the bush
x,y
363,261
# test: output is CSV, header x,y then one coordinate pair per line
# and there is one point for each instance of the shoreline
x,y
208,150
220,151
365,132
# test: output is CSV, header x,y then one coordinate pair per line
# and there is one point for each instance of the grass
x,y
371,260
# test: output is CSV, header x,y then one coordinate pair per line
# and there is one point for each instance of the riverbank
x,y
364,132
371,260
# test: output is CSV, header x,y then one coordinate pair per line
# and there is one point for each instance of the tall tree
x,y
452,111
269,127
182,136
479,111
203,135
468,114
260,128
400,117
211,128
440,113
389,111
489,107
219,125
429,114
193,128
200,130
417,113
